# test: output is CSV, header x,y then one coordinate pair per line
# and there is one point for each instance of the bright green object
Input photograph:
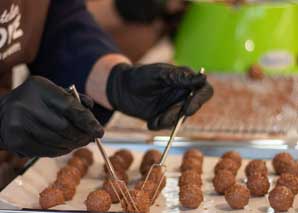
x,y
224,38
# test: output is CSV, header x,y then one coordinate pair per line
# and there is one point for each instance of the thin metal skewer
x,y
109,165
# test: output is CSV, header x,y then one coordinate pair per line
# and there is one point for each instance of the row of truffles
x,y
111,191
281,198
190,181
224,181
68,178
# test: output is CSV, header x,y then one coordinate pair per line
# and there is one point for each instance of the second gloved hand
x,y
156,92
41,119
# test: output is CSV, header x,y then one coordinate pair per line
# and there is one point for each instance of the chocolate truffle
x,y
237,196
258,184
127,157
192,164
50,197
151,157
157,176
190,196
235,156
256,166
223,180
281,198
117,163
121,175
110,185
66,180
255,72
70,171
190,177
290,181
86,154
142,202
226,164
194,153
149,187
283,162
68,190
98,200
80,164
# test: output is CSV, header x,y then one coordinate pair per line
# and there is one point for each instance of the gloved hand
x,y
156,92
41,119
144,11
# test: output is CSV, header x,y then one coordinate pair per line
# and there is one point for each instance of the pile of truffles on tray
x,y
190,181
68,178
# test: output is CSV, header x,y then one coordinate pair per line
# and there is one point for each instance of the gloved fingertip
x,y
87,101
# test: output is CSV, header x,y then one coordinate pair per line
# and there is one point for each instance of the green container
x,y
231,39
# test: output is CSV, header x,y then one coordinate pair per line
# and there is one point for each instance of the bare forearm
x,y
98,78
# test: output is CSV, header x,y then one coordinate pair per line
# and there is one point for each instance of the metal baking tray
x,y
168,202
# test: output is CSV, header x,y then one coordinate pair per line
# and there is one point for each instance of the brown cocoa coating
x,y
290,181
235,156
80,164
194,153
149,187
256,166
157,176
258,184
151,157
223,180
226,164
117,163
190,196
121,175
110,186
142,202
51,197
281,198
70,171
190,177
192,164
86,154
98,200
127,157
283,162
256,72
237,196
68,190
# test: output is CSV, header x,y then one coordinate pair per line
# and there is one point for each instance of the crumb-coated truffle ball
x,y
283,162
237,196
121,175
68,190
235,156
149,187
141,199
80,164
110,186
70,171
194,153
281,198
66,180
226,164
157,176
151,157
223,180
51,197
190,177
127,157
256,166
191,164
290,181
190,196
256,72
98,200
258,184
86,154
117,163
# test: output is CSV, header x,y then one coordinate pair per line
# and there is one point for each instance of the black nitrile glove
x,y
143,11
156,92
41,119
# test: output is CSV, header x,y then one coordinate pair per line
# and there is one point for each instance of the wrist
x,y
96,86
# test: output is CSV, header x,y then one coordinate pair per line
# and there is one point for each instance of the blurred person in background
x,y
60,41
